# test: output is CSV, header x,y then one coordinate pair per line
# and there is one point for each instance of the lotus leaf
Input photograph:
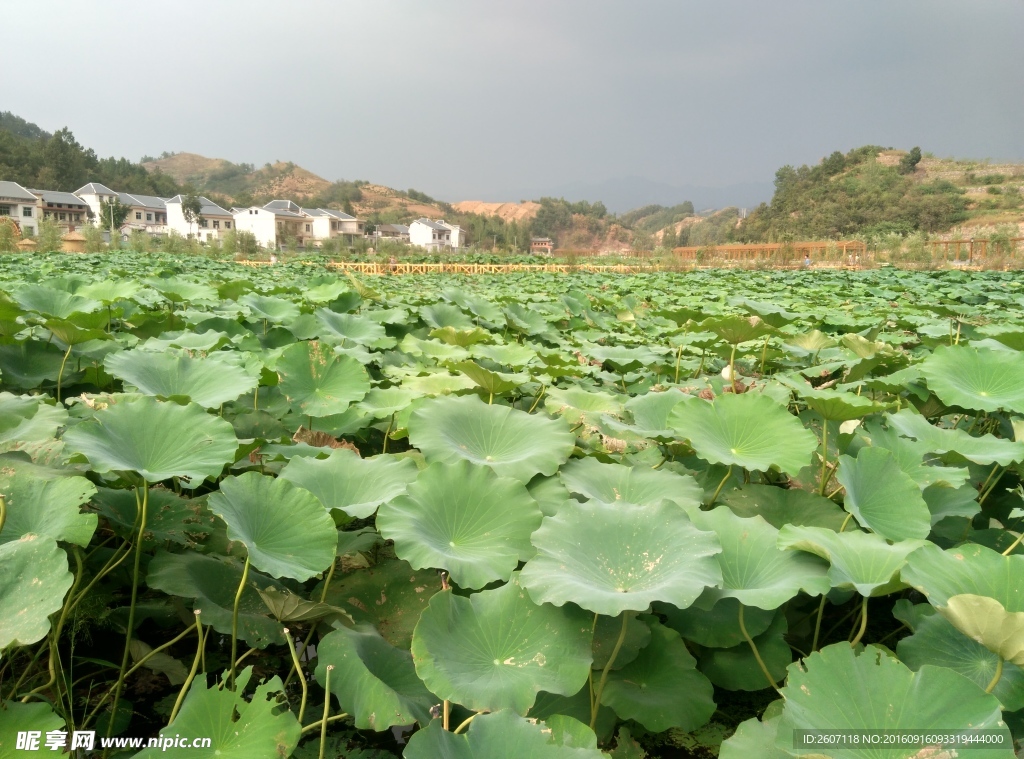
x,y
969,569
48,508
882,497
782,506
352,484
611,483
610,558
976,378
982,449
736,668
748,430
208,382
26,419
984,620
714,622
317,382
478,532
513,443
16,717
34,577
156,439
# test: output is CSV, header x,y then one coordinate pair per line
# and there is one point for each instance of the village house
x,y
94,194
436,235
214,222
328,224
274,223
68,210
543,245
21,205
147,213
395,232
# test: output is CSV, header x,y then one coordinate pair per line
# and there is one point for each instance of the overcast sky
x,y
498,100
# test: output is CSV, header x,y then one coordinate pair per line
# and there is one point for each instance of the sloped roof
x,y
432,224
209,207
55,196
339,215
146,201
283,205
15,191
94,188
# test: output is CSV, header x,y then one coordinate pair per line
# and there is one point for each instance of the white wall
x,y
422,235
261,223
176,221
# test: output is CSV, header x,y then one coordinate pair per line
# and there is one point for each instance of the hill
x,y
505,211
233,180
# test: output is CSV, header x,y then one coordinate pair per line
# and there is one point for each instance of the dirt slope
x,y
504,211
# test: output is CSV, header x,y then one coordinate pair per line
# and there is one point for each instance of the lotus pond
x,y
513,517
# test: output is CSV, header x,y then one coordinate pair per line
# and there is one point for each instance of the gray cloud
x,y
501,99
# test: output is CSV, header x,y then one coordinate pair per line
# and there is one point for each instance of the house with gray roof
x,y
213,223
396,232
18,203
436,235
94,194
328,224
65,208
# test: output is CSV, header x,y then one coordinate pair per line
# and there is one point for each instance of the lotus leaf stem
x,y
757,654
3,512
312,629
732,367
25,673
1014,544
384,448
721,485
679,355
446,708
537,399
60,374
986,488
817,624
824,456
465,722
234,623
316,725
131,609
846,521
327,708
302,677
607,668
995,678
863,623
200,645
245,656
764,354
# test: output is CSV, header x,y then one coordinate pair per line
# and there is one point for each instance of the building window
x,y
138,215
30,231
5,210
63,217
227,225
334,226
60,205
216,224
149,217
78,217
307,227
26,211
204,223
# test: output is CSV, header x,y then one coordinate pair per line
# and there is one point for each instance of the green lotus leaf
x,y
910,455
984,620
837,406
16,717
437,383
838,689
497,649
606,635
714,622
208,382
612,483
382,402
513,443
782,506
440,315
576,404
69,333
358,329
937,642
28,419
26,364
490,382
156,439
661,688
951,502
478,531
461,337
108,291
976,378
34,577
317,382
808,342
432,349
983,449
748,430
737,329
577,706
512,354
549,493
267,307
390,596
651,411
49,301
882,497
502,735
284,528
352,484
610,558
238,727
182,290
47,507
212,582
969,569
285,606
736,668
754,570
861,560
754,739
373,681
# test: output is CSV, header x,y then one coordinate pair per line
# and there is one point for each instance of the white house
x,y
396,232
213,223
20,204
436,235
274,223
259,221
65,208
94,194
148,213
327,224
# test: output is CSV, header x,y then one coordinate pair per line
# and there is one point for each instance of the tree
x,y
191,209
50,237
669,239
8,236
113,214
909,162
93,239
67,160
